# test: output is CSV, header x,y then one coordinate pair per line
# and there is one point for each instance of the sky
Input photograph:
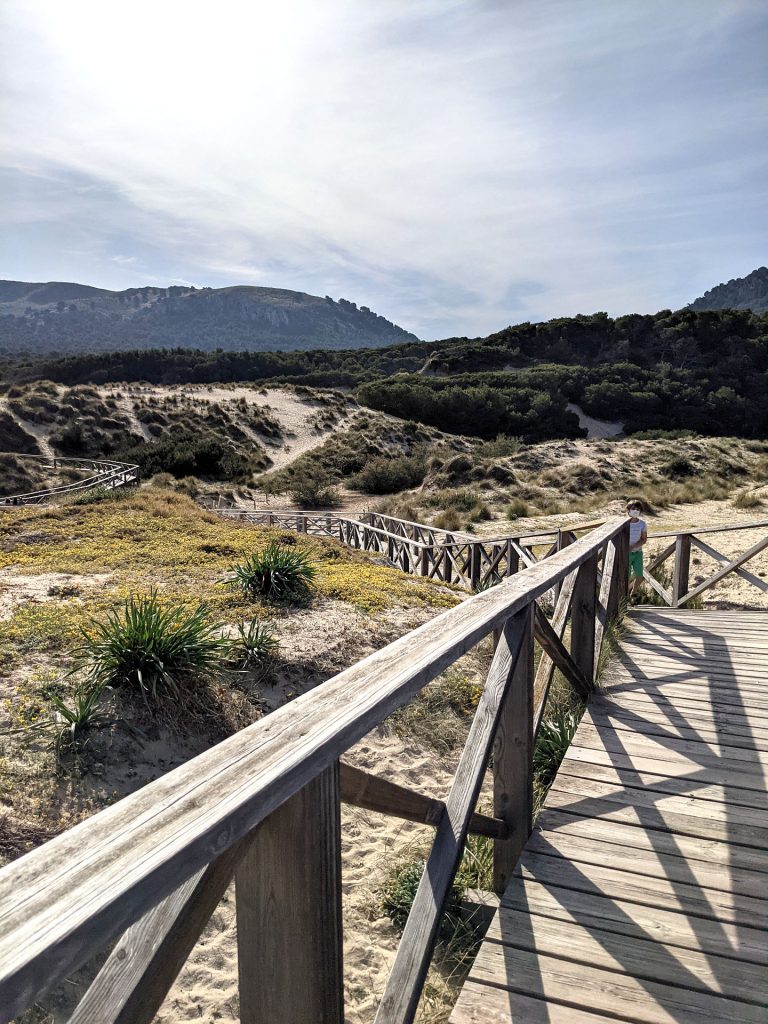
x,y
456,165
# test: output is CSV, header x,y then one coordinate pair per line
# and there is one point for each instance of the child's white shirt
x,y
636,527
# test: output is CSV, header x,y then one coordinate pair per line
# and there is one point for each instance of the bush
x,y
151,647
499,448
552,743
388,476
517,509
313,492
278,573
254,647
678,467
98,494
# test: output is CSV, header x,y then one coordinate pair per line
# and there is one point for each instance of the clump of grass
x,y
517,509
501,446
65,715
747,500
151,647
278,573
552,743
438,716
98,495
254,648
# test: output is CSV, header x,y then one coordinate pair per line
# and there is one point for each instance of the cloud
x,y
454,165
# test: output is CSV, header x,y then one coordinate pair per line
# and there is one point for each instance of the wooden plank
x,y
659,776
363,789
724,692
722,573
646,1001
606,601
650,890
692,849
670,814
288,897
546,669
583,609
401,995
132,985
661,557
559,654
654,584
66,900
647,861
743,574
513,763
671,749
637,955
709,730
692,708
682,568
592,911
485,1004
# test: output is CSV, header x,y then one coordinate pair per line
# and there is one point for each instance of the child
x,y
638,535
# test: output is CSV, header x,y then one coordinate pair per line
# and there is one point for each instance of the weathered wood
x,y
661,557
718,556
583,608
513,763
288,893
721,573
558,653
624,917
362,789
624,954
401,995
652,582
546,668
682,568
65,901
132,985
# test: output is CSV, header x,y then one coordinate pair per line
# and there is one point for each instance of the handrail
x,y
113,474
68,899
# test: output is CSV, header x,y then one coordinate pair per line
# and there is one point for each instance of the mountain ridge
x,y
71,317
750,292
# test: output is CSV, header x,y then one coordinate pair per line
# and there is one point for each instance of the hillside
x,y
686,370
750,292
64,317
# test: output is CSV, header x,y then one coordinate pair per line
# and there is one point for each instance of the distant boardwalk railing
x,y
103,474
422,550
143,876
477,563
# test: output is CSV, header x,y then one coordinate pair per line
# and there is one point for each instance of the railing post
x,y
619,593
427,556
474,565
583,611
513,764
288,896
682,568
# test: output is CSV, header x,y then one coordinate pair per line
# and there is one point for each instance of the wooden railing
x,y
422,550
264,807
679,549
103,474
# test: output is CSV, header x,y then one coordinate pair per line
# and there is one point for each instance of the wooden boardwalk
x,y
641,894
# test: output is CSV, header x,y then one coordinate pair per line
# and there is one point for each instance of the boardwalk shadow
x,y
640,895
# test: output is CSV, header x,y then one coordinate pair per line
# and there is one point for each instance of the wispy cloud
x,y
454,165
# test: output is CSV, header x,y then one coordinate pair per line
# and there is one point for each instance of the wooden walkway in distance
x,y
641,895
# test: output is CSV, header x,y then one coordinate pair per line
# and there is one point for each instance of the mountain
x,y
750,292
65,317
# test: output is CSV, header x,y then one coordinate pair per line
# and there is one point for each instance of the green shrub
x,y
554,738
151,647
310,492
678,466
97,495
450,520
389,476
254,647
278,573
499,448
517,509
399,891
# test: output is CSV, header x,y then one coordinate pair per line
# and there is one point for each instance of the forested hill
x,y
684,370
750,292
63,317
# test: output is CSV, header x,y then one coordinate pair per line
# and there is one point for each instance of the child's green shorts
x,y
636,564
